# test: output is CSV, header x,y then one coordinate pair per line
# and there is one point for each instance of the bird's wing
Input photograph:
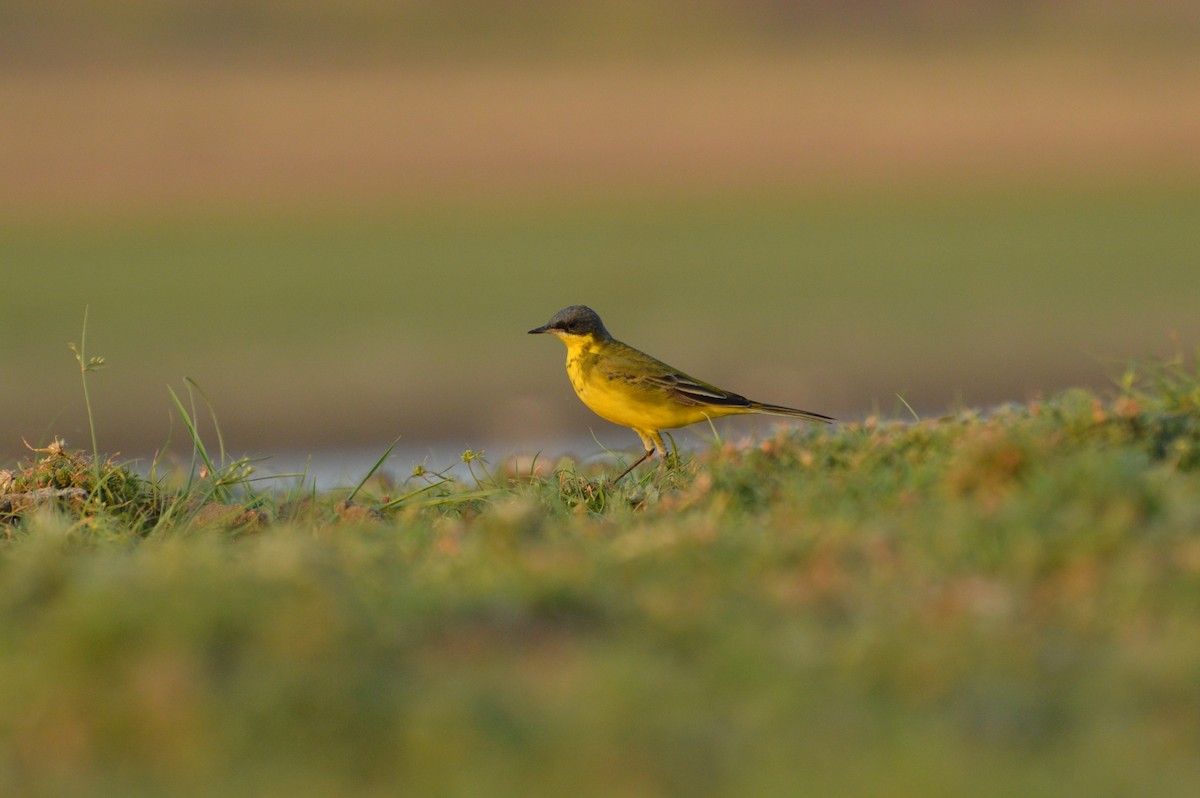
x,y
690,391
623,362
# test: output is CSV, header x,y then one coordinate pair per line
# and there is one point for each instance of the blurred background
x,y
340,218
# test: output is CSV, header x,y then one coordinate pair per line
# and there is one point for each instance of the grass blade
x,y
374,468
198,448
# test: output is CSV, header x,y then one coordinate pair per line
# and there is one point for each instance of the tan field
x,y
254,135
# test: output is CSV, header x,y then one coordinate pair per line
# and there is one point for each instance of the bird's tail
x,y
780,410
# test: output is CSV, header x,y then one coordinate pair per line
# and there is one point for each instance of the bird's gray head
x,y
575,320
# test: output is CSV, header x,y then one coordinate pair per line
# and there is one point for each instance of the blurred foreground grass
x,y
984,605
348,328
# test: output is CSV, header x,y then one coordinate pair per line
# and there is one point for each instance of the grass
x,y
987,603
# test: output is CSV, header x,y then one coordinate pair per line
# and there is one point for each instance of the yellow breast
x,y
624,399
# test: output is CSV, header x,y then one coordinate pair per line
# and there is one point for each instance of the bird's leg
x,y
670,455
653,442
649,453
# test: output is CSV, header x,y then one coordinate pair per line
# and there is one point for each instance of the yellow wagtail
x,y
630,388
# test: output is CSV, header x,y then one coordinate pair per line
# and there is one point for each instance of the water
x,y
334,468
329,469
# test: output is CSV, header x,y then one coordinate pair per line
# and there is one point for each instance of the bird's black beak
x,y
542,329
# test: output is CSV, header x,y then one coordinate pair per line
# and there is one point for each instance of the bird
x,y
630,388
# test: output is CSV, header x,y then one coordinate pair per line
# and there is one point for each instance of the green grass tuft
x,y
91,490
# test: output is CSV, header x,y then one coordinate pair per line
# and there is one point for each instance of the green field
x,y
346,329
995,606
